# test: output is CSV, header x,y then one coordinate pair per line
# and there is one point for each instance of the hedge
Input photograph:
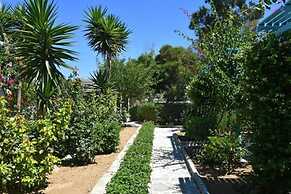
x,y
134,173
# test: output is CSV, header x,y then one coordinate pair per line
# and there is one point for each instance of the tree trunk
x,y
108,67
19,96
6,44
19,91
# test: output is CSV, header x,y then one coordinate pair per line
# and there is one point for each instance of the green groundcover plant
x,y
26,154
134,173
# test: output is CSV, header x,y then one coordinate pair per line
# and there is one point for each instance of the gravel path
x,y
169,171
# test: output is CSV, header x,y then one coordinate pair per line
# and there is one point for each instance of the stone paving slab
x,y
169,171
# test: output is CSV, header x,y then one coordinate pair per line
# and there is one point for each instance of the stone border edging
x,y
100,187
191,168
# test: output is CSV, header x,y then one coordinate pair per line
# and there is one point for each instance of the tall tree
x,y
173,69
132,79
44,49
106,33
213,10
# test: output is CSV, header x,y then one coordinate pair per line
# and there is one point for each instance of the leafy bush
x,y
26,154
133,113
134,173
198,127
223,152
268,101
106,136
172,113
145,112
93,127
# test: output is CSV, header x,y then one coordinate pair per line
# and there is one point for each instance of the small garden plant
x,y
134,173
26,153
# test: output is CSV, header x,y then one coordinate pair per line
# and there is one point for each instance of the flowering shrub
x,y
8,72
26,154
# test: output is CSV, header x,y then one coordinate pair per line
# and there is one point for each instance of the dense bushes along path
x,y
134,173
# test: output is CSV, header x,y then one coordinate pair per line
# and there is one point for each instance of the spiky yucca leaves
x,y
99,81
106,33
44,47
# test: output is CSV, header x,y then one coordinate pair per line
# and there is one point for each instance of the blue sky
x,y
152,22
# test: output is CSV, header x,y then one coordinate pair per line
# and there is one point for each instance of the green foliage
x,y
100,82
43,49
106,136
267,109
173,69
145,112
206,17
223,152
93,128
106,34
172,113
202,92
26,154
203,114
132,79
134,173
215,91
198,127
224,51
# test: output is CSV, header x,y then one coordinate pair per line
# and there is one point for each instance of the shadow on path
x,y
168,161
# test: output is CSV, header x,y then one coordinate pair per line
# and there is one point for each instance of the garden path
x,y
169,171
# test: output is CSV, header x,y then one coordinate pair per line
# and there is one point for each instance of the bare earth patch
x,y
82,179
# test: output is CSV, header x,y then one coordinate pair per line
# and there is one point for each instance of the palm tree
x,y
44,48
106,33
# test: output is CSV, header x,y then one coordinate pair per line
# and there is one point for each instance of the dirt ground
x,y
82,179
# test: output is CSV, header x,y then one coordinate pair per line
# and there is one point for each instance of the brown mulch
x,y
82,179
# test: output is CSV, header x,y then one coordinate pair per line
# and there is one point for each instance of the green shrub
x,y
106,136
93,128
26,154
145,112
134,173
268,101
223,152
133,113
198,127
172,113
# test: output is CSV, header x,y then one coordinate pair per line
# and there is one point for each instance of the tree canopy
x,y
174,67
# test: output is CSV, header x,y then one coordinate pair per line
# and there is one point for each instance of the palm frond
x,y
107,34
45,44
99,81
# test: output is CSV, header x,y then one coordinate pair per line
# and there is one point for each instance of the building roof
x,y
278,22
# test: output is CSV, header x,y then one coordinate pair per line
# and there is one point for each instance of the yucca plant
x,y
99,81
106,33
44,48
